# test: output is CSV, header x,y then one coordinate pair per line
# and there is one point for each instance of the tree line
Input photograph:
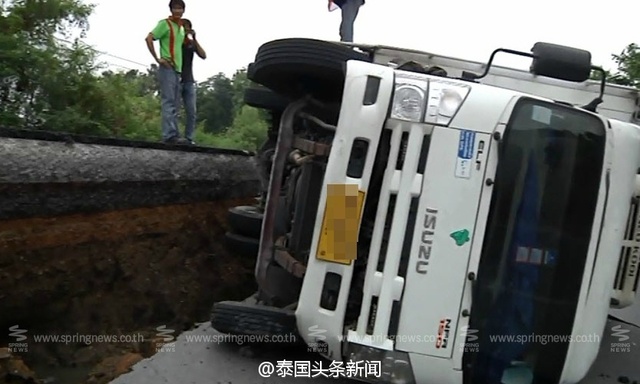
x,y
49,82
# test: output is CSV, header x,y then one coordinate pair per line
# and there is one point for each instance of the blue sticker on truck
x,y
466,144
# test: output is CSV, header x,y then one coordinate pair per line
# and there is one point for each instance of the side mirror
x,y
560,62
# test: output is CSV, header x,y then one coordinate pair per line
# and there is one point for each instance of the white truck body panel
x,y
454,196
445,281
438,265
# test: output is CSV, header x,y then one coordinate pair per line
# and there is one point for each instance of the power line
x,y
105,53
108,63
123,59
121,66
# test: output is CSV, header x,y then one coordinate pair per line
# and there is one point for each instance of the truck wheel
x,y
264,98
242,245
295,67
245,220
242,318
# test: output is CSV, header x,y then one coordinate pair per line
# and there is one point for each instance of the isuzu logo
x,y
426,240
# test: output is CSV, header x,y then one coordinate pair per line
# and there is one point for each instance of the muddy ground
x,y
122,273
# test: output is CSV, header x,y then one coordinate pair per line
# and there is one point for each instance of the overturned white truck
x,y
417,207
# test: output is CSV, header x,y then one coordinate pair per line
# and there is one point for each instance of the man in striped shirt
x,y
171,34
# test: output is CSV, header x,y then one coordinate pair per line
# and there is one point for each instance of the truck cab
x,y
455,230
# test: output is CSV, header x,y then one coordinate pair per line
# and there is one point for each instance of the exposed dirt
x,y
116,273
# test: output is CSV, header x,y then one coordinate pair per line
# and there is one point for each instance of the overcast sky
x,y
231,31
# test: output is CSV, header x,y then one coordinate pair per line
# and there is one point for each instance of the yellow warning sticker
x,y
339,237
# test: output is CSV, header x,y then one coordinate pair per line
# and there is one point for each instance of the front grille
x,y
407,141
632,234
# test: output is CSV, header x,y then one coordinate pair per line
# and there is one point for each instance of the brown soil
x,y
115,273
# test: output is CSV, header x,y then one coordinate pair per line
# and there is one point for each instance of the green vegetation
x,y
47,83
628,71
50,83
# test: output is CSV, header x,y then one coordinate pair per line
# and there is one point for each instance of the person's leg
x,y
179,101
176,101
189,98
349,13
168,84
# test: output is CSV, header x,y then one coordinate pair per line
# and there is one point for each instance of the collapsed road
x,y
110,237
46,174
101,236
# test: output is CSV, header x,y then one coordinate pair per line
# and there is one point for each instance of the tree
x,y
239,82
39,76
628,67
628,62
215,103
249,131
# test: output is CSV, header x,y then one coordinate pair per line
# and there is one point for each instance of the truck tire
x,y
245,220
296,67
242,245
241,318
264,98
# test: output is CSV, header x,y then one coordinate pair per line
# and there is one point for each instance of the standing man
x,y
170,32
349,10
188,82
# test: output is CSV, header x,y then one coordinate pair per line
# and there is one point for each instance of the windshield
x,y
537,240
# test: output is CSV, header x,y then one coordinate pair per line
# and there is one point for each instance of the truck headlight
x,y
409,97
445,99
420,99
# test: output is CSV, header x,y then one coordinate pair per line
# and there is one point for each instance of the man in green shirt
x,y
171,33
